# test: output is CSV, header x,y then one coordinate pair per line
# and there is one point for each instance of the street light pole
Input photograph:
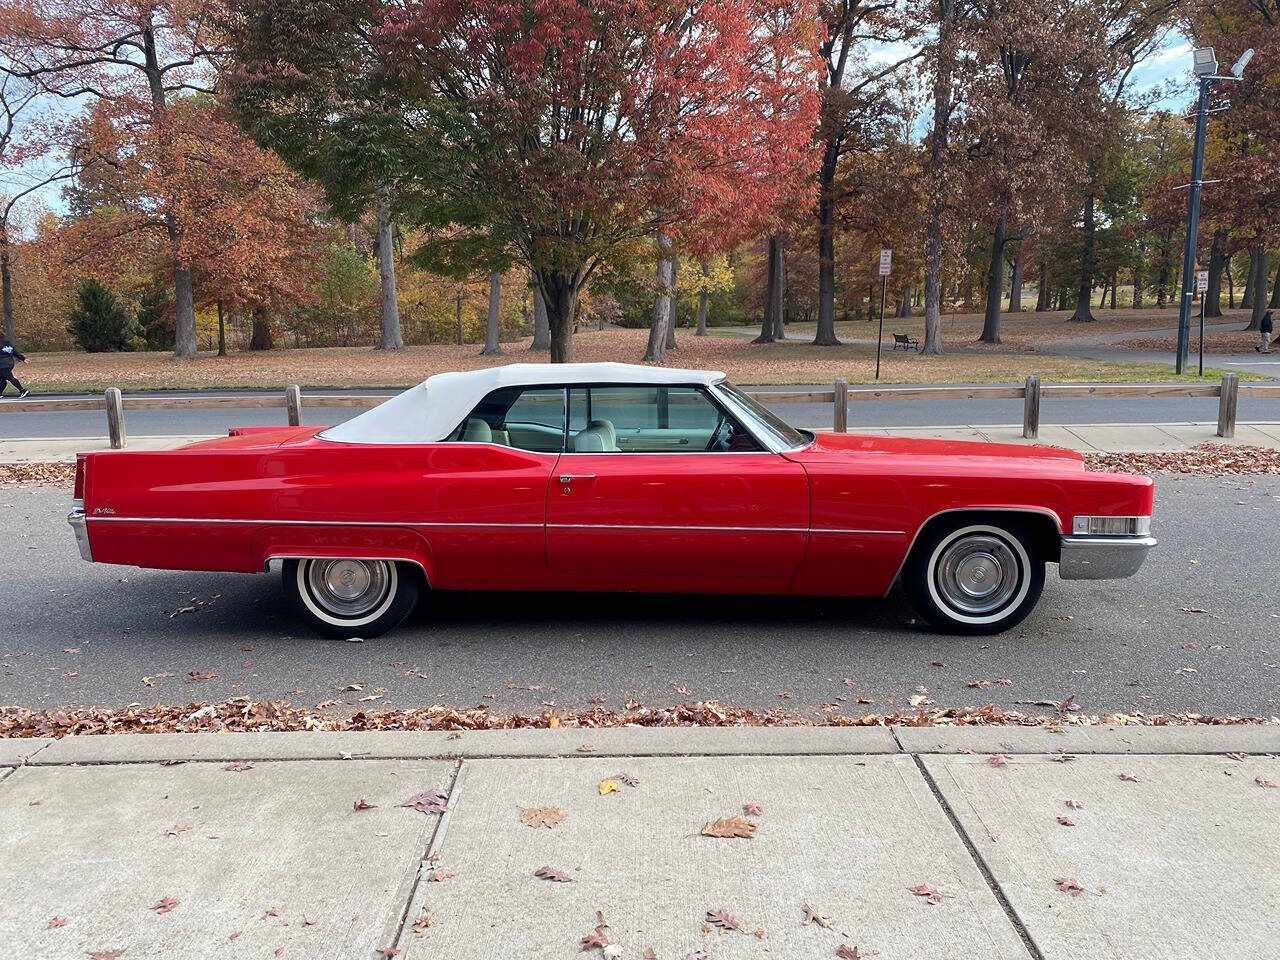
x,y
1193,226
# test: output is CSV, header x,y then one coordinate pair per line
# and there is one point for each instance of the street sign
x,y
1202,281
886,258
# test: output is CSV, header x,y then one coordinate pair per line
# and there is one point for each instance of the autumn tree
x,y
130,58
563,134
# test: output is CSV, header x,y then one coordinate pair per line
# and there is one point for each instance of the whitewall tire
x,y
348,597
974,576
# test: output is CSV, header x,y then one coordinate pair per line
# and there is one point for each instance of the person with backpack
x,y
1265,328
9,354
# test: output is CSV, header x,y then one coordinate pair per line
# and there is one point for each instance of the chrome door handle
x,y
567,477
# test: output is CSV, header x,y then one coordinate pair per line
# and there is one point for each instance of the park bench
x,y
905,342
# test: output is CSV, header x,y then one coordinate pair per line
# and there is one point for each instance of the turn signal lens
x,y
79,489
1111,526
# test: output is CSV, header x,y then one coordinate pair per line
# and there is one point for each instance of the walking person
x,y
9,354
1265,327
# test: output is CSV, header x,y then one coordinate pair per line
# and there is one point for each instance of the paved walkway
x,y
929,844
1089,437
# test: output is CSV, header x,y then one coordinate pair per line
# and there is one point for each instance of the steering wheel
x,y
715,443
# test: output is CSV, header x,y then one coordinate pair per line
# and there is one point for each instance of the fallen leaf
x,y
363,804
236,934
649,954
998,759
279,951
57,922
547,817
628,779
1069,885
176,829
726,827
586,748
1236,756
846,952
927,890
386,953
1131,777
608,786
440,876
696,955
1075,804
979,683
813,916
551,873
1263,782
106,954
752,810
426,920
196,675
432,801
237,766
1194,610
1062,756
165,905
1066,821
722,919
594,940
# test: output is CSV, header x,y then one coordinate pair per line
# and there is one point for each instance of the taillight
x,y
80,468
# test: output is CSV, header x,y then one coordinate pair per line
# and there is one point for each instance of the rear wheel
x,y
341,597
967,576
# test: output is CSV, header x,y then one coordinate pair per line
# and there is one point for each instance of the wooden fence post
x,y
1031,408
841,424
115,417
1227,395
293,404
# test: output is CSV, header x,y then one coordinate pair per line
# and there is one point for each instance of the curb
x,y
641,742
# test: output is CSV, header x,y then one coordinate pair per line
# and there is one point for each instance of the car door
x,y
682,499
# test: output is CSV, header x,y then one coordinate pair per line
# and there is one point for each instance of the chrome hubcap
x,y
977,574
348,588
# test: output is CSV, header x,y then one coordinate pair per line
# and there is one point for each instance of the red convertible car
x,y
610,477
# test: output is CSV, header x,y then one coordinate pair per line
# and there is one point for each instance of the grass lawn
x,y
790,362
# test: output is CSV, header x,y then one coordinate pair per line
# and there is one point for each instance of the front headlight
x,y
1111,526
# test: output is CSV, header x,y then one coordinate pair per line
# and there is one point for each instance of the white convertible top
x,y
432,410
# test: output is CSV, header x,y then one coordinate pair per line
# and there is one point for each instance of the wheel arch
x,y
416,563
1043,525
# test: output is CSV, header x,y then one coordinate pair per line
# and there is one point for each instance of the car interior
x,y
606,419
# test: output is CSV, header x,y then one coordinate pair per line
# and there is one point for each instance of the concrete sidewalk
x,y
249,845
1087,438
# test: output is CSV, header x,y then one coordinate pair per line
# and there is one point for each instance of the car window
x,y
528,418
645,419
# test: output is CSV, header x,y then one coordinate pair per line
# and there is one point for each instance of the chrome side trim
x,y
1102,558
557,526
1044,511
77,520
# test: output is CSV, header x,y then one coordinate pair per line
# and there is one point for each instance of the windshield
x,y
765,421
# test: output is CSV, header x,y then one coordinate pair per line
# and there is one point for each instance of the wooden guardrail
x,y
1031,392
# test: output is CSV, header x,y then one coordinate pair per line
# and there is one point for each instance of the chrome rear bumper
x,y
1102,558
81,528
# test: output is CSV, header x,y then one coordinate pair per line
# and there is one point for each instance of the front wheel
x,y
346,598
974,577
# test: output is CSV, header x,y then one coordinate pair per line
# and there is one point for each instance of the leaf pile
x,y
20,474
243,715
1208,459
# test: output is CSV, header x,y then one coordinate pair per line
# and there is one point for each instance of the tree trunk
x,y
936,172
1042,294
1260,292
560,292
1231,284
1015,286
904,303
1213,296
702,302
1137,289
260,337
1162,283
492,348
391,338
825,335
673,308
222,333
771,328
541,332
656,351
184,344
1082,313
1274,303
1102,300
1250,282
779,308
1115,282
995,286
6,286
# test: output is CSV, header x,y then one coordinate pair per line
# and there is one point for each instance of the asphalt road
x,y
873,413
1198,629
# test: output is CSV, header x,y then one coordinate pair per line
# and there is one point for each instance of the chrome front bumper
x,y
1102,558
78,524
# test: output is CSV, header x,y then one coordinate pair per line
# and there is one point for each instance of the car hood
x,y
1000,456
